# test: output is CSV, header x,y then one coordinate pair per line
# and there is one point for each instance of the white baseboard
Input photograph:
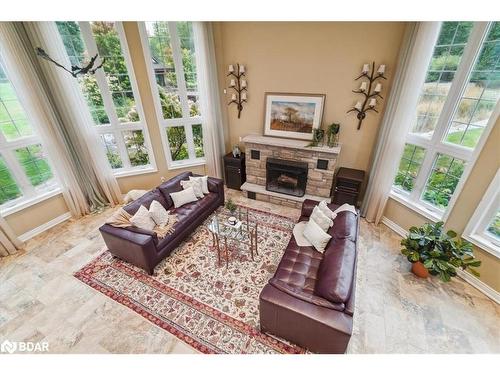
x,y
467,277
42,228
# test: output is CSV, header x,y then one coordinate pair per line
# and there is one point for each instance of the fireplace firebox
x,y
286,176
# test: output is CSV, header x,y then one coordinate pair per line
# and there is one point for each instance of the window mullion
x,y
99,74
18,172
122,148
425,171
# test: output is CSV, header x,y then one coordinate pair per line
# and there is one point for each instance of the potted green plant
x,y
332,134
231,206
431,250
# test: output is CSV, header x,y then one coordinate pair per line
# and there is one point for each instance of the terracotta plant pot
x,y
419,270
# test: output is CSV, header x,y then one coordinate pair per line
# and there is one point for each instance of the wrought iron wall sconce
x,y
75,70
239,85
365,89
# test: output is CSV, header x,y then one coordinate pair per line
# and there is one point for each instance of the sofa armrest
x,y
135,235
307,207
216,185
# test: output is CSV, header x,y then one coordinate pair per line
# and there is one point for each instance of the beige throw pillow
x,y
196,185
204,183
316,236
321,219
142,219
184,196
158,213
326,210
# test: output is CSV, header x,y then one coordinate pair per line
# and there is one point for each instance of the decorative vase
x,y
419,270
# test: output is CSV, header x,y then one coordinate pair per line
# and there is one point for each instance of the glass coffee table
x,y
243,233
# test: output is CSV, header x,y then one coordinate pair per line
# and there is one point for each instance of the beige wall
x,y
474,188
47,210
310,57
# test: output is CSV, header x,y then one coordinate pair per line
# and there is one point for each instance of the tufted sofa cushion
x,y
146,200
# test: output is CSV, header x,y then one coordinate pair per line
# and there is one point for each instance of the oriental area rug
x,y
210,307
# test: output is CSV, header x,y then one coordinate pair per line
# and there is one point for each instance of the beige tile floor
x,y
395,312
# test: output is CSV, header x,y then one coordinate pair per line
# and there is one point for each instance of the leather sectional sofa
x,y
310,299
142,247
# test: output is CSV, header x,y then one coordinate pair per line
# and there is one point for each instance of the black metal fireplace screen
x,y
286,176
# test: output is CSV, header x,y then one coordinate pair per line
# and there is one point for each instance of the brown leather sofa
x,y
142,247
310,299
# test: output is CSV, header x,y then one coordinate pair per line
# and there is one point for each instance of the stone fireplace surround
x,y
319,181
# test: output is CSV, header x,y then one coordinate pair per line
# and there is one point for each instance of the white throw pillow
x,y
184,196
346,207
204,183
142,219
316,236
326,210
158,213
196,185
321,219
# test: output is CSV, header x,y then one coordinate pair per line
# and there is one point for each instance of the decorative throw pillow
x,y
158,213
326,210
316,235
196,185
184,196
321,219
346,207
142,219
204,183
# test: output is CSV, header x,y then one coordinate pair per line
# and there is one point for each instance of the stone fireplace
x,y
286,176
297,172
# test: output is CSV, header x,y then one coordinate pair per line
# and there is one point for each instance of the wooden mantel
x,y
288,143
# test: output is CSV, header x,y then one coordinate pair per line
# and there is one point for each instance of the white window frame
x,y
437,145
186,121
475,231
116,127
30,194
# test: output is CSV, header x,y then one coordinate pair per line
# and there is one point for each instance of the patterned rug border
x,y
218,315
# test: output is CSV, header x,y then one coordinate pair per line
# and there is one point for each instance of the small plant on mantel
x,y
431,250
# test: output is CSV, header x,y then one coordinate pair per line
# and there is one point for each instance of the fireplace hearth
x,y
286,176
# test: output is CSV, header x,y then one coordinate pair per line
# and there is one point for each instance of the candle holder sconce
x,y
239,85
365,89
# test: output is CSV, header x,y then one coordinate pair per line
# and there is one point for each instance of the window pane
x,y
409,167
109,48
176,136
198,140
111,149
185,32
443,180
78,55
444,63
194,105
8,187
13,121
494,227
35,165
136,149
480,96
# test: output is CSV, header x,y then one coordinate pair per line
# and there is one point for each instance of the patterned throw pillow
x,y
142,219
321,219
196,185
184,196
158,213
204,183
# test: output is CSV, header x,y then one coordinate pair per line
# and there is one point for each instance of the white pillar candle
x,y
243,83
242,68
363,86
373,102
381,69
232,83
233,97
243,96
366,68
231,68
378,88
358,106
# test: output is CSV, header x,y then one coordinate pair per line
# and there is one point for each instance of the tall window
x,y
111,94
171,52
25,172
458,101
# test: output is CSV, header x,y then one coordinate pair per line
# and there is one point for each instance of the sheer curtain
x,y
414,58
213,130
9,243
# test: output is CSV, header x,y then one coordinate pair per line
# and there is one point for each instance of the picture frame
x,y
295,116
